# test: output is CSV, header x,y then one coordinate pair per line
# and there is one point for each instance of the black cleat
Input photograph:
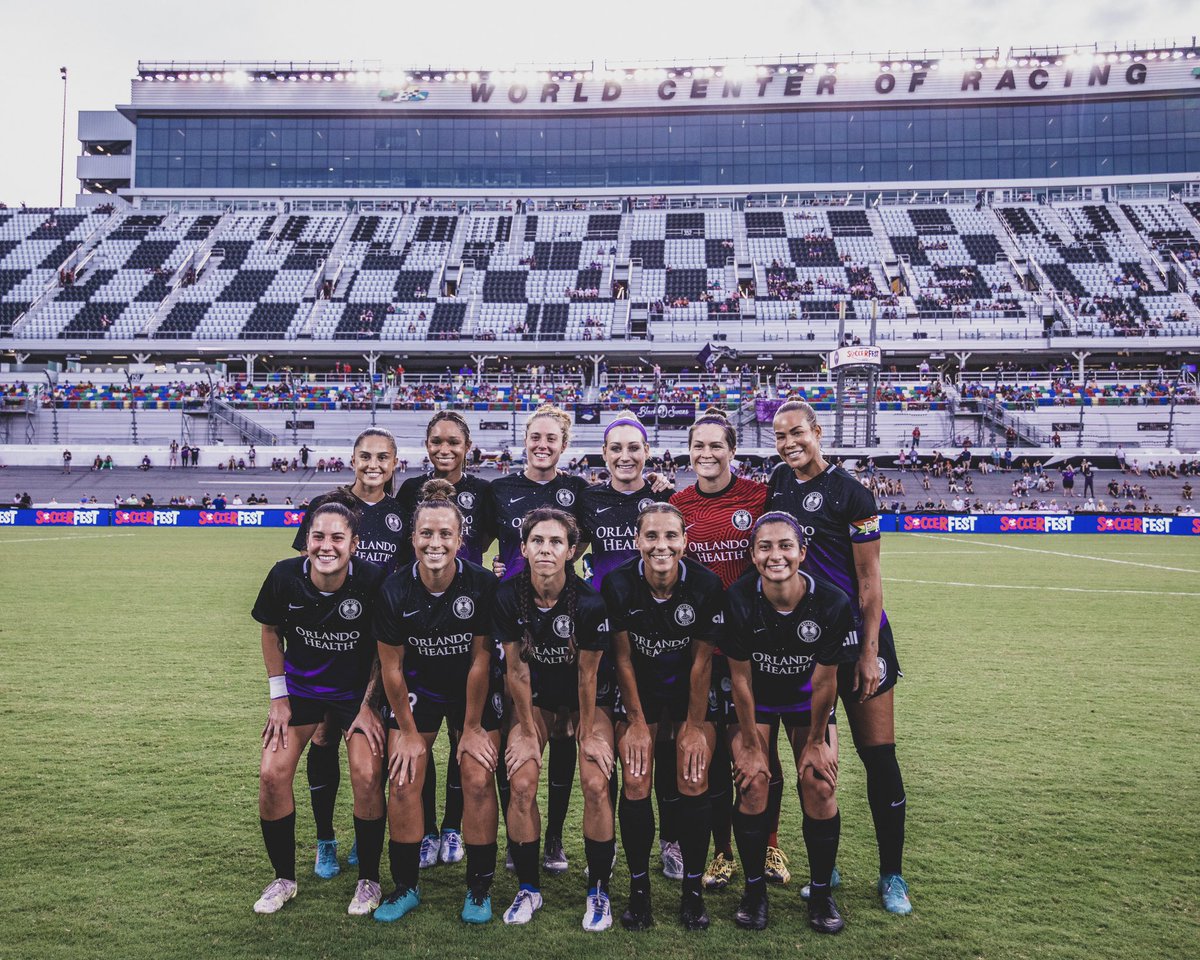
x,y
692,914
823,915
752,911
637,915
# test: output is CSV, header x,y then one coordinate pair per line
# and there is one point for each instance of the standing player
x,y
841,521
554,629
789,631
433,625
547,436
318,648
667,612
448,443
381,538
719,510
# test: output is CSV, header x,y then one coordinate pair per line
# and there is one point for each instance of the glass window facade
x,y
1028,142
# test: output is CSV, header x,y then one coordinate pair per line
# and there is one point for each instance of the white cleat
x,y
278,892
367,895
598,915
526,904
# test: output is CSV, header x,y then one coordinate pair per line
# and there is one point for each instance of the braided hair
x,y
525,597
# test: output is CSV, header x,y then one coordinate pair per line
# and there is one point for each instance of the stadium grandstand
x,y
980,244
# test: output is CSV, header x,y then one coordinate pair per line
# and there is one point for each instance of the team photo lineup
x,y
713,617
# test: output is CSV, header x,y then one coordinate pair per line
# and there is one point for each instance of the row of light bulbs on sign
x,y
747,72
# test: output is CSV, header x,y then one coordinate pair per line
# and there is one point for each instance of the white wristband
x,y
278,687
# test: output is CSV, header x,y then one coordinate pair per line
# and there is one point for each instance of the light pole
x,y
132,405
62,154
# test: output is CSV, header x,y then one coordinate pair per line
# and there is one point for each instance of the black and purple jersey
x,y
785,648
836,512
436,631
661,632
474,503
329,644
553,671
383,532
608,519
514,495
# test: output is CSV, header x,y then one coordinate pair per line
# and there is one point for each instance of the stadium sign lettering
x,y
67,518
231,518
8,518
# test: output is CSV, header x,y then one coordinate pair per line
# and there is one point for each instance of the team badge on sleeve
x,y
685,615
350,609
392,521
742,519
565,497
867,527
464,607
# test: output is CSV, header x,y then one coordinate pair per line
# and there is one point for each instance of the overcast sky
x,y
100,43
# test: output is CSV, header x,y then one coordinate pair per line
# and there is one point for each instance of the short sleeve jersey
x,y
784,648
436,632
383,532
514,495
329,643
554,677
661,632
836,512
473,502
718,525
609,520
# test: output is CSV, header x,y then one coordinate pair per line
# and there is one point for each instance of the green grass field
x,y
1048,733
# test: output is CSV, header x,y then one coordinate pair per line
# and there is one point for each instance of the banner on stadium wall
x,y
665,414
587,413
1022,523
856,357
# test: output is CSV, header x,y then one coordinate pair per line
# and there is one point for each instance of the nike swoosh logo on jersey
x,y
638,610
412,613
517,500
295,606
602,510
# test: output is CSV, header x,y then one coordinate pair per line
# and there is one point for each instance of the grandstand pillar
x,y
1081,355
143,357
372,361
962,357
249,358
480,360
20,358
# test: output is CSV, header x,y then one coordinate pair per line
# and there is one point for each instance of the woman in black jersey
x,y
554,630
540,484
788,633
841,520
433,627
448,443
316,613
381,538
667,613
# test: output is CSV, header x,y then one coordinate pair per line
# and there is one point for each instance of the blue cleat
x,y
353,858
327,865
834,881
477,908
894,893
396,904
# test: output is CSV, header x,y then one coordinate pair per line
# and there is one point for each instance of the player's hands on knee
x,y
475,743
522,748
749,759
370,725
635,748
402,764
597,749
279,715
821,758
692,748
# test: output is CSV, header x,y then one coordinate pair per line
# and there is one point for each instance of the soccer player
x,y
789,631
318,648
841,521
433,627
608,514
554,630
667,613
381,538
448,443
719,510
514,495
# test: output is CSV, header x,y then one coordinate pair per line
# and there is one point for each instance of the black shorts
x,y
658,702
721,710
567,698
306,710
791,719
889,667
429,714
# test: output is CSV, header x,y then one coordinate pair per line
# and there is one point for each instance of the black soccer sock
x,y
280,838
324,774
503,790
885,794
666,790
774,805
481,867
368,834
429,797
821,840
614,787
562,781
526,857
750,831
695,821
452,817
405,859
637,834
720,797
599,854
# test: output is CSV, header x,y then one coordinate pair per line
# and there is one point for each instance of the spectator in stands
x,y
1055,439
251,456
108,462
66,460
145,464
195,456
1186,493
173,455
304,452
916,437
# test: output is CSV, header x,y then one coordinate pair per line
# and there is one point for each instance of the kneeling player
x,y
317,644
672,613
433,626
554,630
788,632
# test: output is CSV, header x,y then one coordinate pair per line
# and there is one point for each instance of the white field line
x,y
1035,586
1056,553
4,541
